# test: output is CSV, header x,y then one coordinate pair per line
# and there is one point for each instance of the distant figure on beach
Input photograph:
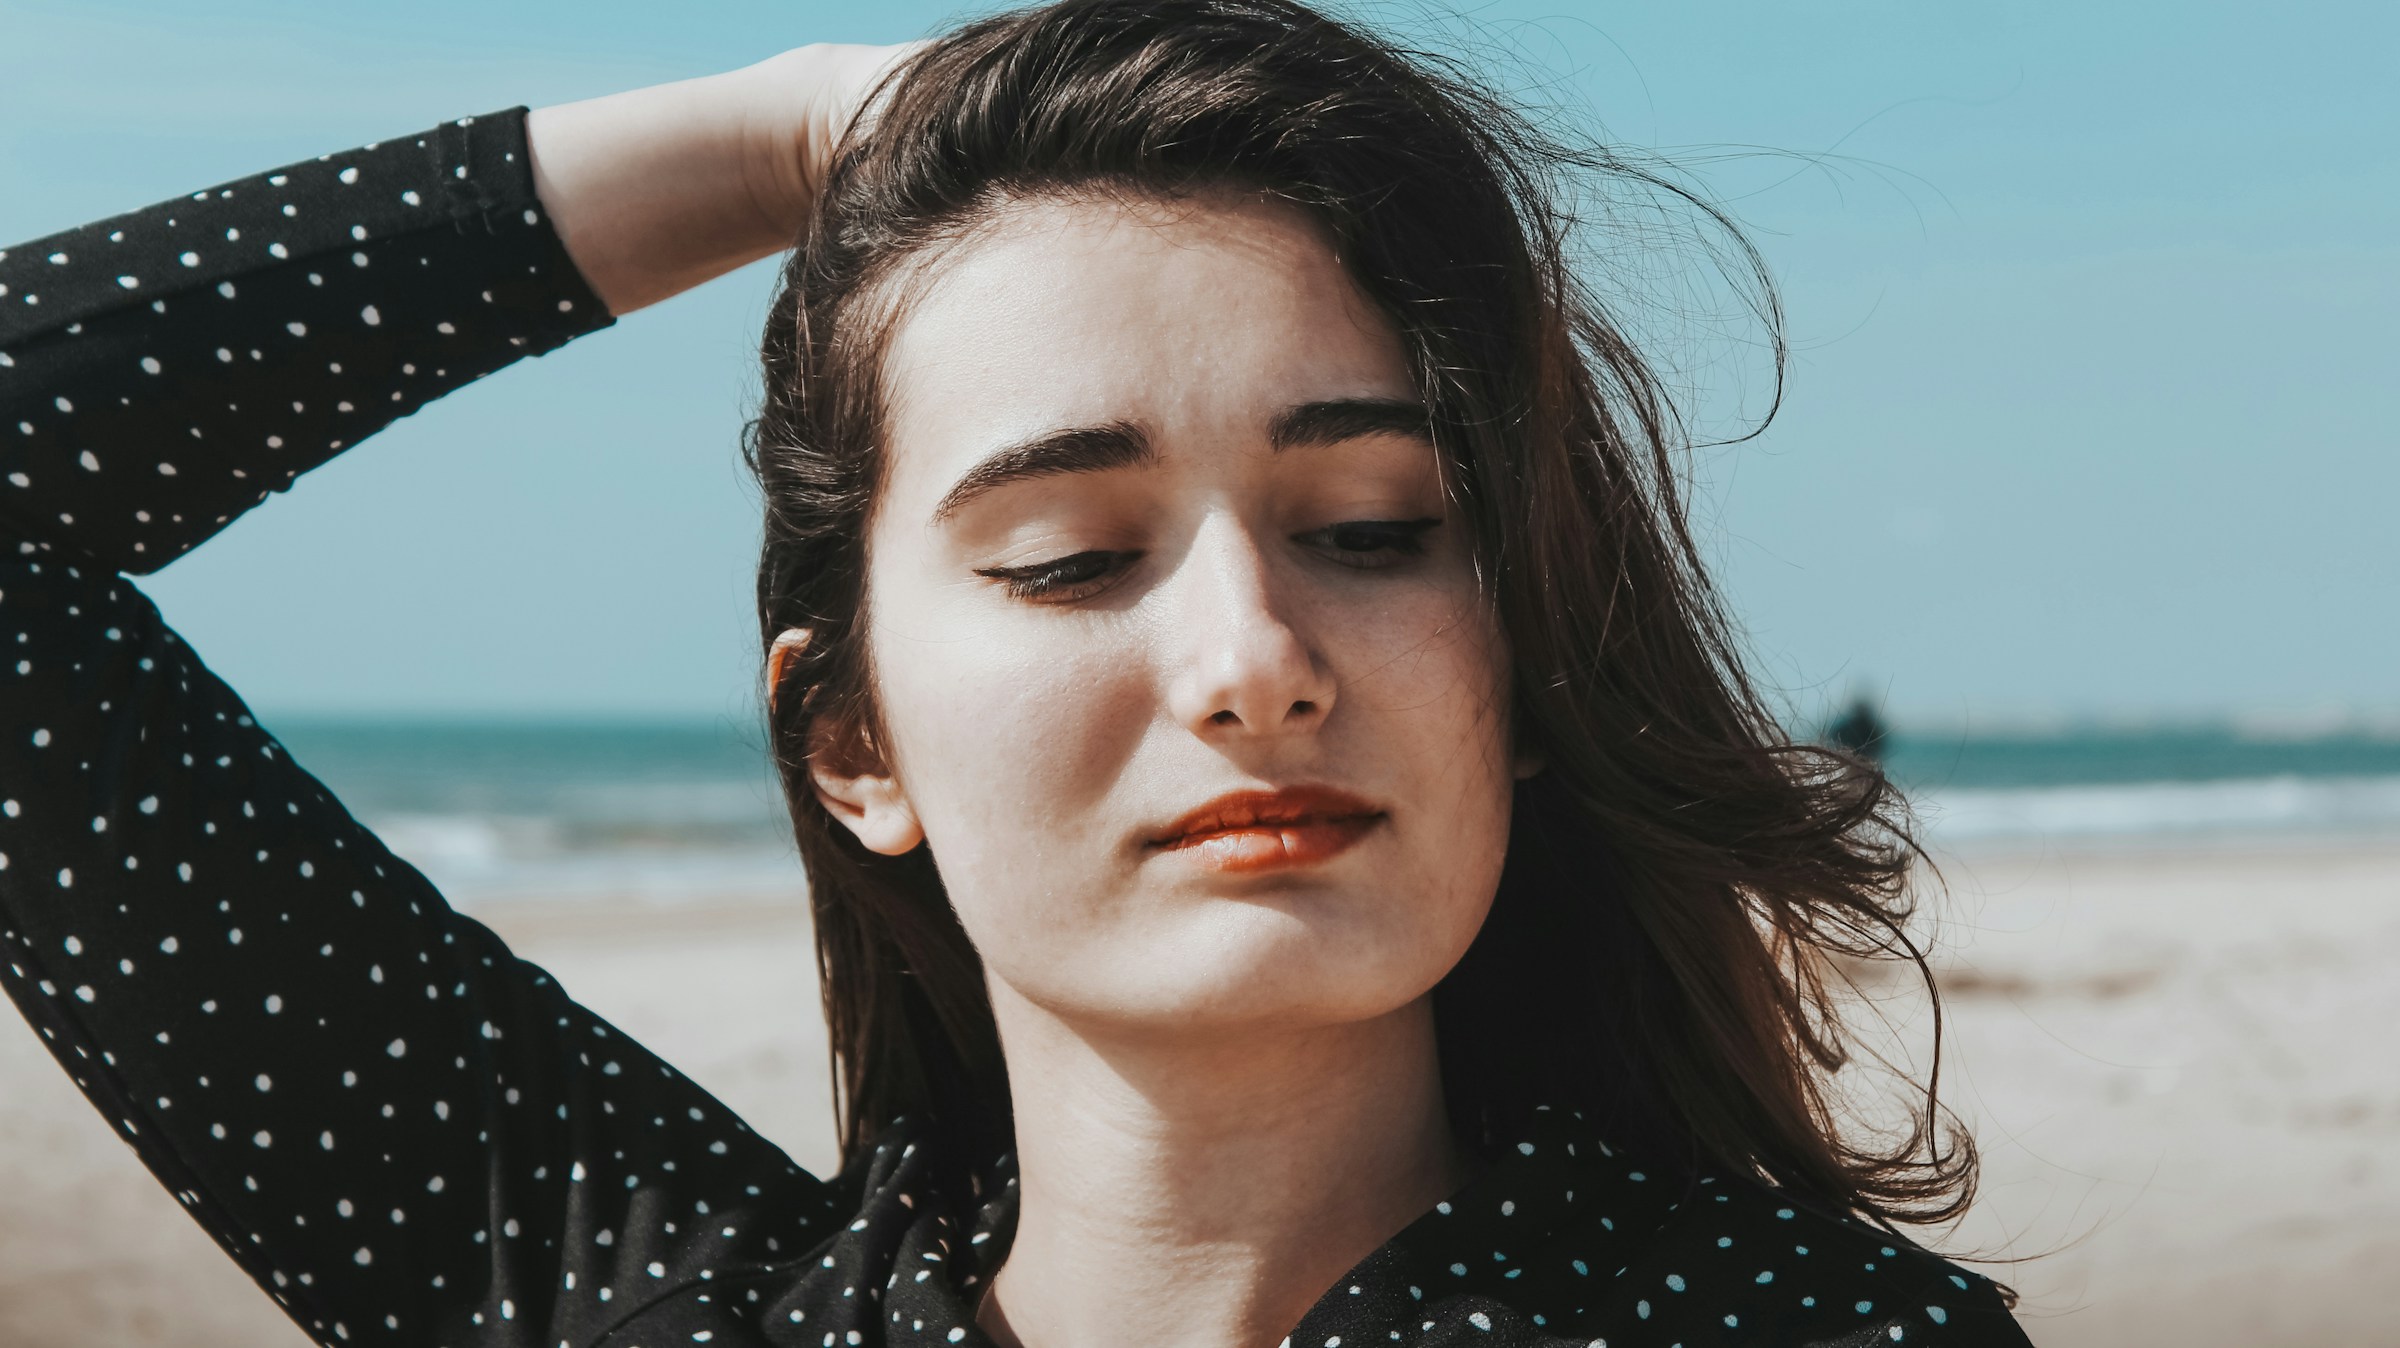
x,y
1295,855
1859,730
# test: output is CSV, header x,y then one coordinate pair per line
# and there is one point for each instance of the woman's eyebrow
x,y
1081,449
1121,444
1332,421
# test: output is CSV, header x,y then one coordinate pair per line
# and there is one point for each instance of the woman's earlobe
x,y
867,802
856,785
873,807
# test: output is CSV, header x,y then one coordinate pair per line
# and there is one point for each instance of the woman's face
x,y
1181,660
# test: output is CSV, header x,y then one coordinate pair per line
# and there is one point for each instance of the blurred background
x,y
2078,504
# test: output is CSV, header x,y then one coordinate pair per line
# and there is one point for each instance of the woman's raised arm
x,y
657,190
405,1134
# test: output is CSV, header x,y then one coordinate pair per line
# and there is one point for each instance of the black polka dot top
x,y
404,1133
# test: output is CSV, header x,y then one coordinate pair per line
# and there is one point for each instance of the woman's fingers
x,y
826,87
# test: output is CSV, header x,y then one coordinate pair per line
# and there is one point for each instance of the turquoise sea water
x,y
1932,758
2188,782
662,811
676,809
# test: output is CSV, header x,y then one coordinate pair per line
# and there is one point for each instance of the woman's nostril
x,y
1304,708
1225,718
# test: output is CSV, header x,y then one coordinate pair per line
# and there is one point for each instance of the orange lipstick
x,y
1251,831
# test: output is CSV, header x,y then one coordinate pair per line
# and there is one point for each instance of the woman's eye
x,y
1359,543
1076,576
1371,543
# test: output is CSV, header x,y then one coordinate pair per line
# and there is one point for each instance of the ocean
x,y
670,811
2104,785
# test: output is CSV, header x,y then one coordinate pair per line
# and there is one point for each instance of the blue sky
x,y
2094,311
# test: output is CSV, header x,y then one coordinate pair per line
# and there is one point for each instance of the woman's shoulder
x,y
1587,1238
1736,1254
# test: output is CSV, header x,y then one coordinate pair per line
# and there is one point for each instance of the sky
x,y
2095,313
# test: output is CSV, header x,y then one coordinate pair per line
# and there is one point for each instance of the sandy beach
x,y
2177,1062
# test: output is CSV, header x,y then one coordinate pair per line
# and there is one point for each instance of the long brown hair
x,y
1682,878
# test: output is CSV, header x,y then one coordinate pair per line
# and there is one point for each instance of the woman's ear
x,y
853,782
788,644
871,805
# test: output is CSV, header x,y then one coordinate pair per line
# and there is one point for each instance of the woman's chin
x,y
1250,966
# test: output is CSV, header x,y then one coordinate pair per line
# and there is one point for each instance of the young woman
x,y
1294,854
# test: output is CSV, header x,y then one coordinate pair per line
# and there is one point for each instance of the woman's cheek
x,y
1432,651
1439,695
1013,760
1011,736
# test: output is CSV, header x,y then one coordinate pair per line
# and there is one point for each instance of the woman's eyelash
x,y
1064,578
1359,543
1374,542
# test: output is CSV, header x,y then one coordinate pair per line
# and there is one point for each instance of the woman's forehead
x,y
1202,316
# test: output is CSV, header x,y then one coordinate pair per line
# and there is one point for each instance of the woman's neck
x,y
1180,1191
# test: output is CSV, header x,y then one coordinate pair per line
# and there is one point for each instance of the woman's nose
x,y
1244,668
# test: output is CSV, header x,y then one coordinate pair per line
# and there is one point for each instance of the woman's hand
x,y
656,190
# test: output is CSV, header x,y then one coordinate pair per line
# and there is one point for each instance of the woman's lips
x,y
1270,830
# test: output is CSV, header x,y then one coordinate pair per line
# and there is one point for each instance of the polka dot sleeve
x,y
162,371
403,1132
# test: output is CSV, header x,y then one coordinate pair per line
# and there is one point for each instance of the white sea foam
x,y
2142,809
475,858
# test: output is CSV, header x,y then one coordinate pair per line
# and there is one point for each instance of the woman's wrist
x,y
656,190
